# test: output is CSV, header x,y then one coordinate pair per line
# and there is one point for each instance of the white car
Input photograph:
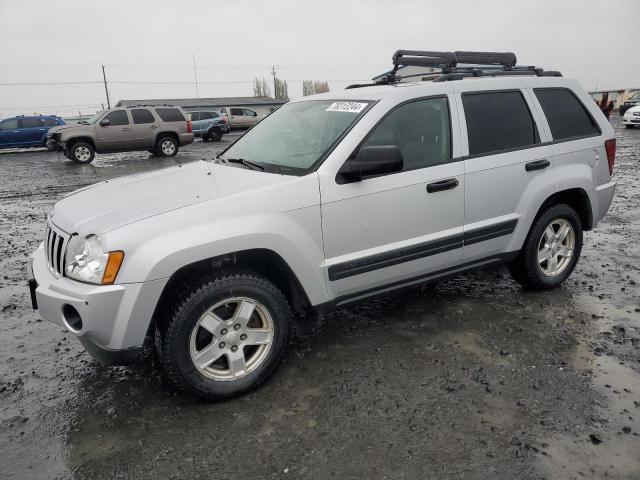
x,y
631,117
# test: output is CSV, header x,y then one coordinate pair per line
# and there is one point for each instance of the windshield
x,y
636,96
94,119
294,137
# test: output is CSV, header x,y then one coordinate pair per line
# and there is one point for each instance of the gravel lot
x,y
468,378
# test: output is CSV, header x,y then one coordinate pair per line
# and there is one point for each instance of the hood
x,y
66,126
114,203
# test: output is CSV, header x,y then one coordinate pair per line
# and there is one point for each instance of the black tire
x,y
81,153
163,149
215,135
152,152
629,126
526,269
173,335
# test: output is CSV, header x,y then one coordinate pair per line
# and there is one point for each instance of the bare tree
x,y
261,88
310,87
281,89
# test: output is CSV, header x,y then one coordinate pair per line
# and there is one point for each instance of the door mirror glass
x,y
105,122
372,161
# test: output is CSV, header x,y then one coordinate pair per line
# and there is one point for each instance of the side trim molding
x,y
402,255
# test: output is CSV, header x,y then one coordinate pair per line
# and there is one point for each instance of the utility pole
x,y
106,90
195,75
273,72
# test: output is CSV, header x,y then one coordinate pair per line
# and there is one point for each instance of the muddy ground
x,y
469,378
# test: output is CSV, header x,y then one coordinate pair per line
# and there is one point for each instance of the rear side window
x,y
195,116
119,117
567,116
8,124
236,112
420,129
498,121
31,122
170,114
142,115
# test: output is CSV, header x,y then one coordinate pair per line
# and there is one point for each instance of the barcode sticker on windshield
x,y
348,107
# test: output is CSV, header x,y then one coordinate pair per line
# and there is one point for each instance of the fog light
x,y
71,318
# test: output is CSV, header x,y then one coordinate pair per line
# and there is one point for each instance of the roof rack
x,y
457,66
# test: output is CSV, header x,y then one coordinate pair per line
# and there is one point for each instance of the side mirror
x,y
372,162
105,122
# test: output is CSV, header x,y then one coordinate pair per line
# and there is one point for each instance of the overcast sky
x,y
147,46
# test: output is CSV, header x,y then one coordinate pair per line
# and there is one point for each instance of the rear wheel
x,y
167,147
225,336
628,126
82,153
551,250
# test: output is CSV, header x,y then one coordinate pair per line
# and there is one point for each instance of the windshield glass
x,y
294,137
636,96
93,119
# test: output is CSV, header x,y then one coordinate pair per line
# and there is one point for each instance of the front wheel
x,y
551,250
167,147
628,126
82,153
215,135
225,336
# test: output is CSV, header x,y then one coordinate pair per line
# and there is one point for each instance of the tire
x,y
214,135
166,147
152,152
556,250
181,336
629,126
82,153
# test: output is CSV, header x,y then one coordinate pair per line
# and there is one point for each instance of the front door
x,y
117,134
398,228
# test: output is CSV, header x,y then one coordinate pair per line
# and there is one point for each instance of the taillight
x,y
189,127
610,147
224,119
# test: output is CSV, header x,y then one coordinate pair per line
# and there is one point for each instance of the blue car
x,y
209,125
27,130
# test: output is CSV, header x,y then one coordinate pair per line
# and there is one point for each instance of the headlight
x,y
86,261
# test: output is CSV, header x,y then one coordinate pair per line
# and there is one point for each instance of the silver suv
x,y
160,130
330,200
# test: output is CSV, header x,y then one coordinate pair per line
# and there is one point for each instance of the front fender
x,y
295,236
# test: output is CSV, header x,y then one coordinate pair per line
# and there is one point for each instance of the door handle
x,y
537,165
126,129
438,186
154,126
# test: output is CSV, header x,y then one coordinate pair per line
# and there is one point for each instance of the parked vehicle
x,y
208,124
27,130
238,117
331,200
631,117
160,130
633,101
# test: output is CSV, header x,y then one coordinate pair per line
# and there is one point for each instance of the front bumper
x,y
631,120
54,145
115,318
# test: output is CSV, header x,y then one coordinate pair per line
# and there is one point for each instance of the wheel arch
x,y
578,199
171,134
73,140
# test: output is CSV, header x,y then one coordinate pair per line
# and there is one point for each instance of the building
x,y
260,105
617,96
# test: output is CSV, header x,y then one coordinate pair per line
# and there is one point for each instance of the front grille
x,y
55,244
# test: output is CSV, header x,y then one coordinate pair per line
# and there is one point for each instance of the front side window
x,y
119,117
50,122
566,115
31,122
249,113
296,136
498,121
9,124
142,115
420,129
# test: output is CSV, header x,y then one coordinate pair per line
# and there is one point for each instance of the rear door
x,y
508,166
32,130
144,127
117,134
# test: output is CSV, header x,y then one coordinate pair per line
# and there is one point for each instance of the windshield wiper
x,y
246,163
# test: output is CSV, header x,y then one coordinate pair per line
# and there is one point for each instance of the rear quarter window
x,y
498,121
567,116
170,114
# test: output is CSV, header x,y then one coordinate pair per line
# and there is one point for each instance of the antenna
x,y
106,90
195,75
